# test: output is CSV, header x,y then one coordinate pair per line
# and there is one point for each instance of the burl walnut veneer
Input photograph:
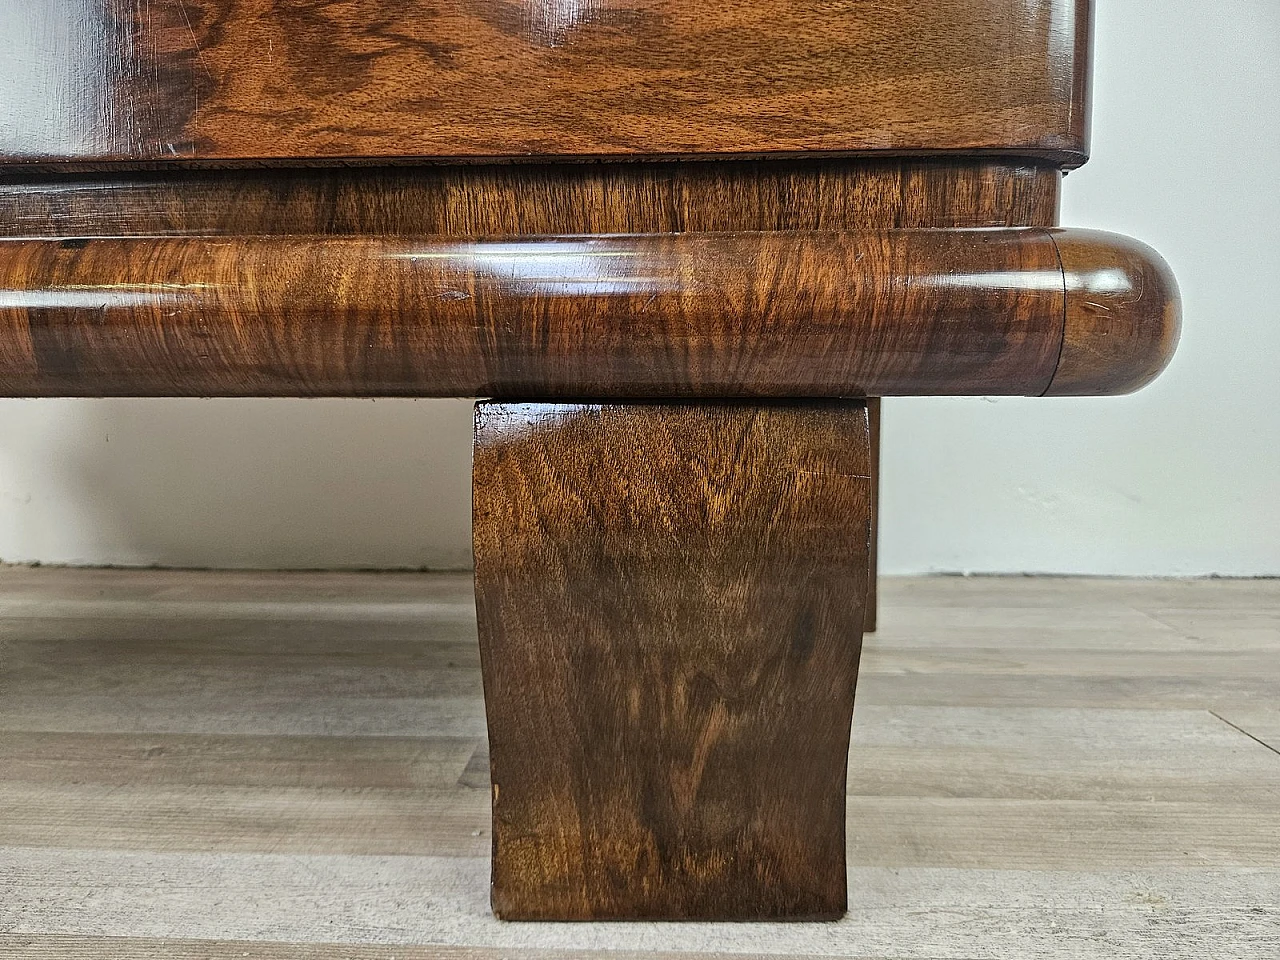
x,y
683,246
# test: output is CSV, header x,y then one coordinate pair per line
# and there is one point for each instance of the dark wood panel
x,y
854,313
505,200
256,80
746,314
873,558
670,603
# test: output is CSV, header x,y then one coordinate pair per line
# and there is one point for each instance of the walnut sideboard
x,y
677,247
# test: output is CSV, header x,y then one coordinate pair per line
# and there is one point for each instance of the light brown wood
x,y
974,826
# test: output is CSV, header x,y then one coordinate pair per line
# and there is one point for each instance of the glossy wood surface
x,y
670,603
1124,315
504,200
801,313
258,80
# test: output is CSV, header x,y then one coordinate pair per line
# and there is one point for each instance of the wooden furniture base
x,y
873,562
804,200
671,600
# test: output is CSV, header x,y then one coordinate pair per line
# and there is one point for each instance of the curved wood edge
x,y
1123,315
670,598
781,314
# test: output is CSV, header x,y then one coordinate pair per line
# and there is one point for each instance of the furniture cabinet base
x,y
671,599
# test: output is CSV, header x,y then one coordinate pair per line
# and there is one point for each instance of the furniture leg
x,y
671,599
873,562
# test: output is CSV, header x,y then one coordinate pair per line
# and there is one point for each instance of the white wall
x,y
236,483
1183,478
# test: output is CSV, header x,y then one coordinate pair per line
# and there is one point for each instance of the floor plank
x,y
195,712
1259,723
46,947
188,760
199,764
915,913
283,818
1091,692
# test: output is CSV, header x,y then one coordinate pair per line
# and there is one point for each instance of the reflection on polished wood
x,y
1123,315
594,316
218,80
670,602
869,313
505,200
499,200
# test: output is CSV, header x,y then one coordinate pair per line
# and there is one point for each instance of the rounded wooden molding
x,y
1123,315
839,313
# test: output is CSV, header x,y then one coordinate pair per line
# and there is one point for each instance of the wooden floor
x,y
293,766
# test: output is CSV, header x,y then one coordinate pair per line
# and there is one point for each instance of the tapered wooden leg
x,y
671,599
873,562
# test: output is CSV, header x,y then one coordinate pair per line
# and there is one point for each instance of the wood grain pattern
x,y
1012,830
41,947
479,200
910,914
1124,315
222,818
255,80
186,761
606,316
670,602
535,199
779,314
